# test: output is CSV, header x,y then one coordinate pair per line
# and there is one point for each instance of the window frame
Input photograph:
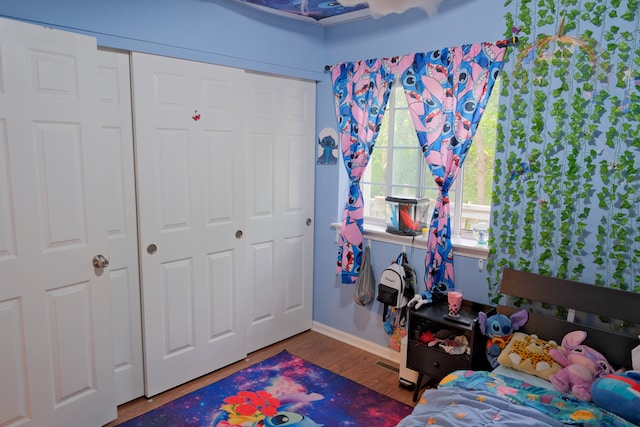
x,y
463,241
423,172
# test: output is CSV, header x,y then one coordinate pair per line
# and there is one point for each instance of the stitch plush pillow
x,y
530,354
619,393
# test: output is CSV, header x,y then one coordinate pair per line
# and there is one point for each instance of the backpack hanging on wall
x,y
397,287
411,280
391,286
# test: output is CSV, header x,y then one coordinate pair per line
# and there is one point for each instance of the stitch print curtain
x,y
361,91
447,91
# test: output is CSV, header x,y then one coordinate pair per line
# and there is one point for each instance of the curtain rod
x,y
514,40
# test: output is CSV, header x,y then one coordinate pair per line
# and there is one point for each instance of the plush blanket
x,y
479,398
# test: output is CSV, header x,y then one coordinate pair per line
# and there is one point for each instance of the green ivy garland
x,y
567,171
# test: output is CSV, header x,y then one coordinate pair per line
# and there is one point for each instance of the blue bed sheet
x,y
480,398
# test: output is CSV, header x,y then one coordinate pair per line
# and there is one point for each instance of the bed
x,y
508,396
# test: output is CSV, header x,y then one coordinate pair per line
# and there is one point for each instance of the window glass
x,y
397,167
478,168
404,134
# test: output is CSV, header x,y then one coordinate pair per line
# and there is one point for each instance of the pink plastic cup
x,y
455,303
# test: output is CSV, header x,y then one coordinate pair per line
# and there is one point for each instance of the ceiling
x,y
327,13
320,11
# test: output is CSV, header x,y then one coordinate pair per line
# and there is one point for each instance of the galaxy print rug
x,y
284,390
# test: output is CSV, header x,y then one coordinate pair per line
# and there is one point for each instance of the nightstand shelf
x,y
433,361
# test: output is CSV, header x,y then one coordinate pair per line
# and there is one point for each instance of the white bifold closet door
x,y
191,206
56,353
225,167
116,140
279,122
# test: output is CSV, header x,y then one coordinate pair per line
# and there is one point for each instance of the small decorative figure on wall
x,y
196,116
327,147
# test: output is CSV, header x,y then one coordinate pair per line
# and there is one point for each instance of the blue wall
x,y
217,31
226,33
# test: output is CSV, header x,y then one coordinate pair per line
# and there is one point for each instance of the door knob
x,y
239,234
308,222
99,261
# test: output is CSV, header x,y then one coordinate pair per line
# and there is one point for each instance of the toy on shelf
x,y
418,300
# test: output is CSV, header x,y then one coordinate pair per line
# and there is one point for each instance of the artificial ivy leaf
x,y
620,248
621,218
545,255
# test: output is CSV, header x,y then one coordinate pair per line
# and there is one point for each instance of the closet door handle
x,y
308,222
239,234
152,249
99,261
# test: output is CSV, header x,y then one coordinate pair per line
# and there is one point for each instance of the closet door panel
x,y
279,122
116,139
220,280
220,198
191,209
294,295
262,193
261,263
14,406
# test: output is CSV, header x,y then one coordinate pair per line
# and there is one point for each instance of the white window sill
x,y
461,246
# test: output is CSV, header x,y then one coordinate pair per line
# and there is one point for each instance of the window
x,y
397,167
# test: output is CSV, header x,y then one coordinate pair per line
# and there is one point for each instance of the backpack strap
x,y
402,317
386,319
410,278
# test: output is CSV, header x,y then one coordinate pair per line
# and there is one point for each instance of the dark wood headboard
x,y
610,303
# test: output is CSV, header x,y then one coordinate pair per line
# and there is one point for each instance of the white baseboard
x,y
358,342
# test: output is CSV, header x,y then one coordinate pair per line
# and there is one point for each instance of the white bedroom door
x,y
191,217
56,354
279,118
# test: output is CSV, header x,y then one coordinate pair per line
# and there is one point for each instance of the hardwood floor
x,y
336,356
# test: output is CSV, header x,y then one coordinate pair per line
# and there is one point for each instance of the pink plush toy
x,y
581,366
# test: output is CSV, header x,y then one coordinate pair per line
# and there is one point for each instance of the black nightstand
x,y
433,361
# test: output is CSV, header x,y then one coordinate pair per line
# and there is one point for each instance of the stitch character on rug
x,y
499,329
262,409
